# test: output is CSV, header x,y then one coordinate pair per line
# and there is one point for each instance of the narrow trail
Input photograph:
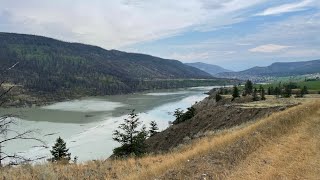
x,y
294,156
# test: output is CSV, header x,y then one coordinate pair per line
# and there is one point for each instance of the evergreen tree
x,y
260,88
255,95
153,128
132,140
178,114
277,91
262,94
304,90
287,91
235,92
248,87
181,117
269,91
60,151
218,97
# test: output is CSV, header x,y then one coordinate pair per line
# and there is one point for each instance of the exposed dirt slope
x,y
210,116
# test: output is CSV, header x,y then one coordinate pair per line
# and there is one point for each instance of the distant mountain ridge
x,y
209,68
51,66
278,69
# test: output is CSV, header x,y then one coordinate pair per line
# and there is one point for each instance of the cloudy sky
x,y
235,34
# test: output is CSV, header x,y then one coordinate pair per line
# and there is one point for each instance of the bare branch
x,y
6,130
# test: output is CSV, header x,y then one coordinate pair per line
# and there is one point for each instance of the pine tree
x,y
304,90
132,140
153,128
255,95
178,114
263,97
277,91
218,97
60,151
287,91
248,87
235,92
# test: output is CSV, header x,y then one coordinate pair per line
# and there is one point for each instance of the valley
x,y
242,140
89,122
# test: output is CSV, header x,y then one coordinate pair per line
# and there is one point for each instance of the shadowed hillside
x,y
48,66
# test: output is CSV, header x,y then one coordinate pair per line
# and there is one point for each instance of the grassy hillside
x,y
51,66
283,145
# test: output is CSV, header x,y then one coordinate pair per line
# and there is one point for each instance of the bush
x,y
235,92
190,113
218,97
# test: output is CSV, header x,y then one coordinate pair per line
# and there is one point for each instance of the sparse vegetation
x,y
229,147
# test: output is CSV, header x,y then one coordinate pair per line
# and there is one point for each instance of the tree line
x,y
284,90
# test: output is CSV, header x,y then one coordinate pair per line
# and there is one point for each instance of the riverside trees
x,y
131,139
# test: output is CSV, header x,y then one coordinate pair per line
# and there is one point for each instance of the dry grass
x,y
294,156
231,147
272,101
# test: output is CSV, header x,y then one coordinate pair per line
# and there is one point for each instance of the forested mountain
x,y
277,69
49,65
209,68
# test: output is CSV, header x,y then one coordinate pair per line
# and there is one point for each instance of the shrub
x,y
190,113
218,97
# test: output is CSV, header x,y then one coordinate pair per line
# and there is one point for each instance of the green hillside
x,y
50,66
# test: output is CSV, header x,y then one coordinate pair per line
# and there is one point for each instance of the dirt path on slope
x,y
296,156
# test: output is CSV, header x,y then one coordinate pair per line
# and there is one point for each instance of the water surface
x,y
87,124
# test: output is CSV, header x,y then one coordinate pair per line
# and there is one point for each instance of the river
x,y
87,124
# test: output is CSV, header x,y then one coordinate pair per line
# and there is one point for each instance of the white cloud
x,y
186,57
285,8
268,48
117,23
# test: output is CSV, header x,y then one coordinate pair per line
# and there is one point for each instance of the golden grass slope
x,y
284,143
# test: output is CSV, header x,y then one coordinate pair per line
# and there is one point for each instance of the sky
x,y
235,34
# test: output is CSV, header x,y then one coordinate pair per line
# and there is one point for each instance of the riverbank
x,y
21,97
87,124
235,152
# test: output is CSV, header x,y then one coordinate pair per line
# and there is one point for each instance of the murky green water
x,y
87,124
